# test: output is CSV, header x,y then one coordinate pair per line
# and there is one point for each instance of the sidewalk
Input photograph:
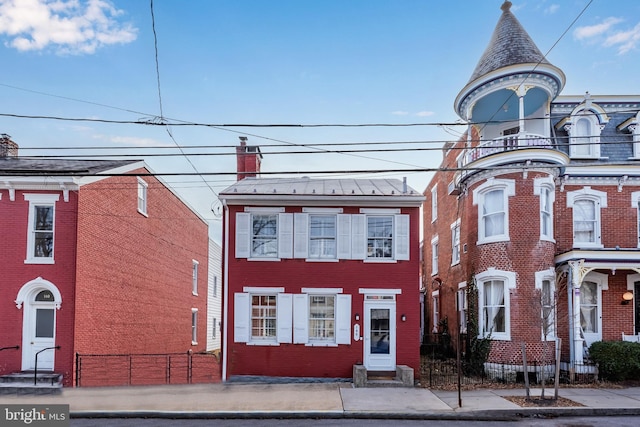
x,y
328,400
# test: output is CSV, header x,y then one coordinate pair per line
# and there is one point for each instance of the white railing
x,y
505,143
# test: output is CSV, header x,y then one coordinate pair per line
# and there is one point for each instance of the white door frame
x,y
386,360
601,284
30,343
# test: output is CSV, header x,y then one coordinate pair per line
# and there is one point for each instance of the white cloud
x,y
590,31
605,34
425,113
625,40
131,140
66,26
552,9
400,113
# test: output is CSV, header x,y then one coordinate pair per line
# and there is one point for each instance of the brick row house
x,y
99,257
535,213
320,275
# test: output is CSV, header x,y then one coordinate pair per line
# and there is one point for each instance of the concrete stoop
x,y
402,377
24,383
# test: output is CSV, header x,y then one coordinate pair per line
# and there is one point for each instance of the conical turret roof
x,y
510,45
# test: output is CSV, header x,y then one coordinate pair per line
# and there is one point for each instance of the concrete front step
x,y
401,377
28,383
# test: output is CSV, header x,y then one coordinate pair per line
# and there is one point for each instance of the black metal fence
x,y
443,373
146,369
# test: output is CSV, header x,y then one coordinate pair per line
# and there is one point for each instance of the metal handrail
x,y
35,372
15,347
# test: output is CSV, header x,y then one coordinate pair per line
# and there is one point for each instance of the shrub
x,y
617,360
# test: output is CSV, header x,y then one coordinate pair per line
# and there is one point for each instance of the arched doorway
x,y
39,299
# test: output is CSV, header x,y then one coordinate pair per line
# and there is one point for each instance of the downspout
x,y
225,284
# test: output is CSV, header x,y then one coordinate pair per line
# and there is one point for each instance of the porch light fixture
x,y
403,317
357,316
627,297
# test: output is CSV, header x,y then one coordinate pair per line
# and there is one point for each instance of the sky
x,y
162,80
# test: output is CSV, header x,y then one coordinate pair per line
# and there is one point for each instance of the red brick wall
x,y
15,273
134,280
299,360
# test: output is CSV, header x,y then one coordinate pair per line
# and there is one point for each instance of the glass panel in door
x,y
379,330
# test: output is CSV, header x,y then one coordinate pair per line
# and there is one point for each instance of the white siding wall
x,y
214,306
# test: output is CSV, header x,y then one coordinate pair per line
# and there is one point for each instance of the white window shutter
x,y
301,235
401,237
285,235
284,317
344,236
241,314
358,236
243,235
343,319
300,318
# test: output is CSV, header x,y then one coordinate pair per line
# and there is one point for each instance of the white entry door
x,y
39,333
380,336
591,311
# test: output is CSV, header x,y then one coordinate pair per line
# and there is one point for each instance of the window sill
x,y
194,342
195,294
457,262
144,214
501,337
493,240
39,261
547,239
317,344
263,259
380,261
265,344
322,260
581,245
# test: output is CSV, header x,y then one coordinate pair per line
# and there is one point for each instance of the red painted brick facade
x,y
125,279
299,360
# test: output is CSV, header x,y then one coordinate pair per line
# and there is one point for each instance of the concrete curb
x,y
483,415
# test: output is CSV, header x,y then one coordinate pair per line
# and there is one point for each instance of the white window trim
x,y
435,253
509,189
434,203
462,290
39,200
509,278
548,183
143,197
600,198
342,319
550,275
435,311
194,326
242,316
635,200
454,245
594,138
194,277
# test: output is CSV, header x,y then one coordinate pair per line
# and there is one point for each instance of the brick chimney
x,y
8,148
248,158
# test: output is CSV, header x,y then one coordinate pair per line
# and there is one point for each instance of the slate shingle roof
x,y
11,166
510,44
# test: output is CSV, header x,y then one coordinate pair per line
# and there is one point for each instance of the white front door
x,y
39,333
380,336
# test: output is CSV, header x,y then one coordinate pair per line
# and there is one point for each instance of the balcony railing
x,y
505,143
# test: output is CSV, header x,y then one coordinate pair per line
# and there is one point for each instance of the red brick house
x,y
319,275
536,214
100,257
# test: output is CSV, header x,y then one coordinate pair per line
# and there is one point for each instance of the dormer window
x,y
584,128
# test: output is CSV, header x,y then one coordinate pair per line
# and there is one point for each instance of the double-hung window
x,y
142,196
264,236
434,203
586,204
322,236
380,236
584,133
455,243
194,277
462,306
544,188
321,317
264,233
545,283
635,204
194,326
492,198
494,303
434,255
435,308
41,228
262,316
